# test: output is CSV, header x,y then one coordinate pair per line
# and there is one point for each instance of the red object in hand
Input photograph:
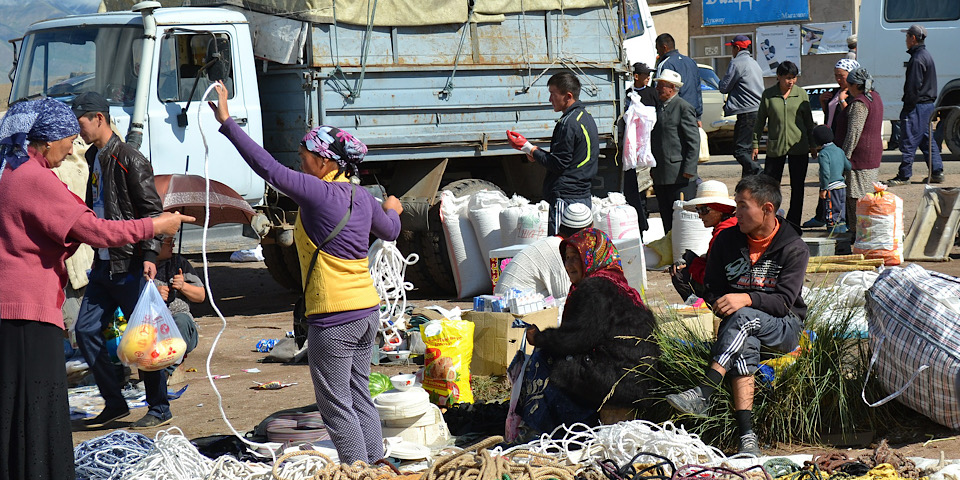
x,y
517,140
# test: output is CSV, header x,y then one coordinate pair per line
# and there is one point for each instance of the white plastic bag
x,y
151,341
639,121
704,147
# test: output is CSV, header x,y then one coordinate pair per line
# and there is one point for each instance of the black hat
x,y
822,135
90,102
640,68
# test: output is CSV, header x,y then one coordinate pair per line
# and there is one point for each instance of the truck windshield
x,y
63,63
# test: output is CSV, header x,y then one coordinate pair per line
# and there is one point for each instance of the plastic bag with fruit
x,y
151,341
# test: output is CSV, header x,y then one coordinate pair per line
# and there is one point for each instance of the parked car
x,y
719,127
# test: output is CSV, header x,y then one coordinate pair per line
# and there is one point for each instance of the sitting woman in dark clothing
x,y
599,354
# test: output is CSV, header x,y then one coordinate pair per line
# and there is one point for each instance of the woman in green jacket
x,y
785,111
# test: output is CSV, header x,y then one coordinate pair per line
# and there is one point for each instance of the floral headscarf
x,y
847,64
45,119
337,145
600,259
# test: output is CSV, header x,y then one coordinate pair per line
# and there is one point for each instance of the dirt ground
x,y
255,307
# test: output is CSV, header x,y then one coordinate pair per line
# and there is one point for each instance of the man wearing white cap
x,y
675,142
539,267
716,210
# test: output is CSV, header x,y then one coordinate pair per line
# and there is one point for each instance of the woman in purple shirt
x,y
342,305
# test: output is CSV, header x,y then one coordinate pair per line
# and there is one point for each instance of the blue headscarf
x,y
43,120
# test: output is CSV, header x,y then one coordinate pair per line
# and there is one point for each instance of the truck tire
x,y
434,261
277,258
951,132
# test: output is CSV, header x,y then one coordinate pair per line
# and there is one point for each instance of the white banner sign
x,y
825,37
775,45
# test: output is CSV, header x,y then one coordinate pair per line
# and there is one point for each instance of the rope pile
x,y
620,442
108,457
479,463
327,469
388,267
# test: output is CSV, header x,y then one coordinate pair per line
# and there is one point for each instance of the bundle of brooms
x,y
842,263
815,398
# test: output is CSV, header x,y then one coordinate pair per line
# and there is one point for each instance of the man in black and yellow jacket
x,y
753,279
571,162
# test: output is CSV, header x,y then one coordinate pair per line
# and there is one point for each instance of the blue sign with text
x,y
735,12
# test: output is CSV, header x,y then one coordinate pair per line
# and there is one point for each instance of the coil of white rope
x,y
621,441
388,267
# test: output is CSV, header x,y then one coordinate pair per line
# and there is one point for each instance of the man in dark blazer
x,y
675,142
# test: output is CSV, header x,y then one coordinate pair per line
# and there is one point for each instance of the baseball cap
x,y
916,30
741,41
90,102
577,215
641,68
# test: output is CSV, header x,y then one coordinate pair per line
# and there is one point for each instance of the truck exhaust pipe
x,y
135,134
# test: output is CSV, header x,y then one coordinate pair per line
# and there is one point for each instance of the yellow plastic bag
x,y
446,374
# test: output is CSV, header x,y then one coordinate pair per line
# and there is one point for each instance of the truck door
x,y
176,144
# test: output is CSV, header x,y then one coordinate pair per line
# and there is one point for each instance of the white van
x,y
882,49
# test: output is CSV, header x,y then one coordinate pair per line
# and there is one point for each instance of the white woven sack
x,y
532,224
468,263
880,235
509,219
617,219
537,268
484,213
914,320
688,232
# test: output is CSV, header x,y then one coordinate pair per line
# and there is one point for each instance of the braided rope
x,y
477,462
109,456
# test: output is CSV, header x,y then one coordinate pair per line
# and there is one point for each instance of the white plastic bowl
x,y
396,355
403,382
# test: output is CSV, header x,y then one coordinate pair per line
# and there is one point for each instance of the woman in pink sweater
x,y
41,224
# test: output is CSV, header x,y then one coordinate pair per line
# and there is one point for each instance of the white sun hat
x,y
710,191
670,76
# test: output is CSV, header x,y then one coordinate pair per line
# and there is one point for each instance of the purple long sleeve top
x,y
322,206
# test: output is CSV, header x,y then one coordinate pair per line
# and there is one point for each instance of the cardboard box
x,y
495,341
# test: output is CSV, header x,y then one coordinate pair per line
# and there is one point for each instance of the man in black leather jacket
x,y
121,187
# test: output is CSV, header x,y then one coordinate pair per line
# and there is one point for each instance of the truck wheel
x,y
275,257
434,261
951,132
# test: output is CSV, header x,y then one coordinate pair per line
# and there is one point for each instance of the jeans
x,y
773,166
915,132
103,295
743,143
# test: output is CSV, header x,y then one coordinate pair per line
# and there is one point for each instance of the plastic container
x,y
394,404
426,429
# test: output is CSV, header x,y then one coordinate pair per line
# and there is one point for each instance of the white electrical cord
x,y
388,267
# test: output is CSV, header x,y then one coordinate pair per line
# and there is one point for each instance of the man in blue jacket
x,y
743,85
572,161
919,97
670,59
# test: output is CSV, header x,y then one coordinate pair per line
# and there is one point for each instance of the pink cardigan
x,y
41,224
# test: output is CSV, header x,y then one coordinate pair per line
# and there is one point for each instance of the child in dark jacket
x,y
833,189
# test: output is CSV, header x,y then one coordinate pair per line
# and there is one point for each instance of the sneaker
x,y
837,229
749,445
814,223
895,181
107,416
690,402
150,421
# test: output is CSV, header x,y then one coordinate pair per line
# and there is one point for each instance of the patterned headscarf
x,y
860,76
847,64
337,145
600,259
45,120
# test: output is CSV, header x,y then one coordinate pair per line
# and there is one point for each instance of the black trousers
x,y
743,143
773,166
667,194
635,198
